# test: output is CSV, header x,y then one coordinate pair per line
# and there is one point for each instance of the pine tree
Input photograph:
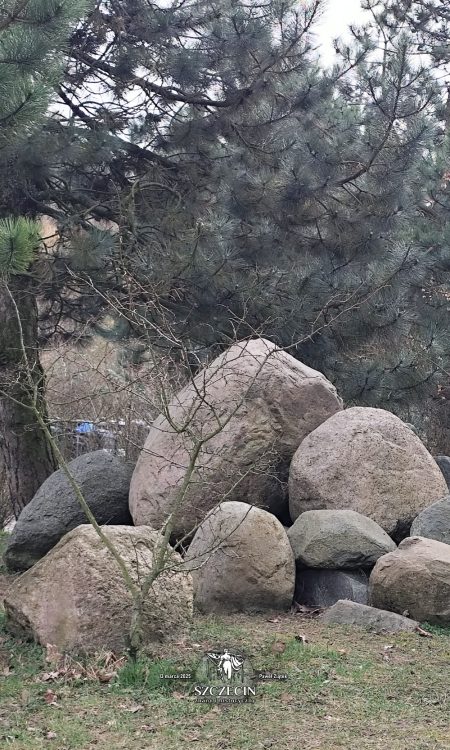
x,y
250,189
428,22
32,37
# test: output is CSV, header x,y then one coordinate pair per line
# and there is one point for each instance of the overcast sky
x,y
335,22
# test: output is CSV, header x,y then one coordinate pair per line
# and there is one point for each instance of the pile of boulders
x,y
252,406
274,494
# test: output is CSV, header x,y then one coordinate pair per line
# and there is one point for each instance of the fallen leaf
x,y
301,609
133,709
50,697
214,711
47,676
106,676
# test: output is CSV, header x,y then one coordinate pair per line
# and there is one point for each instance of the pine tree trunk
x,y
27,456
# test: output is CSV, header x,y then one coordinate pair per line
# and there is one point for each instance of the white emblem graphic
x,y
227,664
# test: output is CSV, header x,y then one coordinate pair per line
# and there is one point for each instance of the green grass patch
x,y
436,629
345,687
145,674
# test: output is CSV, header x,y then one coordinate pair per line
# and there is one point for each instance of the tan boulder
x,y
266,401
369,461
75,597
414,580
241,560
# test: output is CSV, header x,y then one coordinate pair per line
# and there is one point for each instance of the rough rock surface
x,y
434,522
75,597
323,588
338,539
345,612
414,580
266,401
241,560
366,460
444,464
54,510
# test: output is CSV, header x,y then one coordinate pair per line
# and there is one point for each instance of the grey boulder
x,y
434,522
323,588
444,464
338,539
104,481
345,612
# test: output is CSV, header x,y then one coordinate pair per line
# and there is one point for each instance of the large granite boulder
x,y
366,460
414,580
257,404
76,599
345,612
323,588
444,464
338,539
434,522
104,481
241,561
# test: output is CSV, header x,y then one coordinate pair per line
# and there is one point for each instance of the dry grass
x,y
94,382
347,689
